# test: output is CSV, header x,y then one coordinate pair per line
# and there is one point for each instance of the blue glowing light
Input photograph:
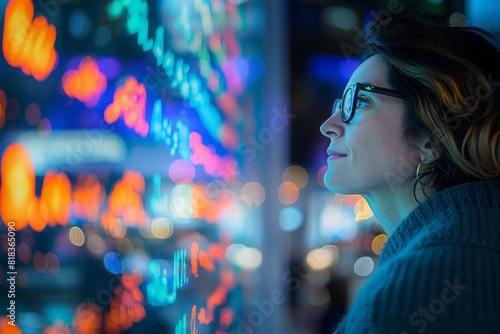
x,y
113,263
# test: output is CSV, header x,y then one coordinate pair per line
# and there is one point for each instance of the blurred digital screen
x,y
123,196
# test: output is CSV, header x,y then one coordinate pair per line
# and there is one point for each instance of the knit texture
x,y
439,272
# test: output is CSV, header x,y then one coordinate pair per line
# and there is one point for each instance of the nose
x,y
333,126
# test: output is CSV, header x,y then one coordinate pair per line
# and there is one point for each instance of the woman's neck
x,y
391,206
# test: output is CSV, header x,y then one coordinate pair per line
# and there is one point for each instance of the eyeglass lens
x,y
347,103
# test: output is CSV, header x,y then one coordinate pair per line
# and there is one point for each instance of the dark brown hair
x,y
450,79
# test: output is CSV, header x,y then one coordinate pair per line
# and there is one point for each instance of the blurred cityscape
x,y
162,166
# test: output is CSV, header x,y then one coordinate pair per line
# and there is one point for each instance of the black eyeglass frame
x,y
354,89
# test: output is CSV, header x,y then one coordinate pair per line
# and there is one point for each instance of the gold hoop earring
x,y
418,171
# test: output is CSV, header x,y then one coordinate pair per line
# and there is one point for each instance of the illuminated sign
x,y
24,37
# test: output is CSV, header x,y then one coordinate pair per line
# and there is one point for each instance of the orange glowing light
x,y
206,262
129,101
28,43
56,197
193,320
5,328
126,305
37,214
57,328
125,204
226,317
87,319
194,259
288,193
18,185
86,84
88,197
216,298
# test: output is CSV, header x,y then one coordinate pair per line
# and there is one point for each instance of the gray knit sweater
x,y
439,271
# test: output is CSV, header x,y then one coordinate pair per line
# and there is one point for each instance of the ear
x,y
429,148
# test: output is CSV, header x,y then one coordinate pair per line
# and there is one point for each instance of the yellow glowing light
x,y
362,210
162,228
248,258
322,258
76,236
297,175
378,243
288,193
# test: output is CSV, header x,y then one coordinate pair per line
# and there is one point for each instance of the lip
x,y
335,155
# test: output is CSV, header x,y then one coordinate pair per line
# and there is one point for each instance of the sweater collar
x,y
468,195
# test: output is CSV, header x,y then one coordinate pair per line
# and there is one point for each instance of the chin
x,y
338,187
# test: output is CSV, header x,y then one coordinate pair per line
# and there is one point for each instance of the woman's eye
x,y
361,102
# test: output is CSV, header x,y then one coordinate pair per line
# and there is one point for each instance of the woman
x,y
416,133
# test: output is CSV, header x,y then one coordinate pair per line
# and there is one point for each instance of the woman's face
x,y
375,156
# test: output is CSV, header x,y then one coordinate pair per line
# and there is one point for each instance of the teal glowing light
x,y
158,201
181,326
180,74
174,136
162,290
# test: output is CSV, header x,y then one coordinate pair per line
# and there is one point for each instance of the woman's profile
x,y
416,133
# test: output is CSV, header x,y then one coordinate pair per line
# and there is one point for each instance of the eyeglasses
x,y
348,102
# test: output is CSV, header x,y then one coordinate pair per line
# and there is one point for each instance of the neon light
x,y
126,305
194,259
225,168
181,326
163,130
159,291
86,84
28,43
193,320
158,201
125,202
88,197
18,185
129,101
176,70
56,198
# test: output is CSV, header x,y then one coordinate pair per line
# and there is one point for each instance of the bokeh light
x,y
162,228
254,192
362,210
33,114
288,193
364,266
291,218
95,244
181,171
297,175
113,263
320,176
378,243
322,258
76,236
